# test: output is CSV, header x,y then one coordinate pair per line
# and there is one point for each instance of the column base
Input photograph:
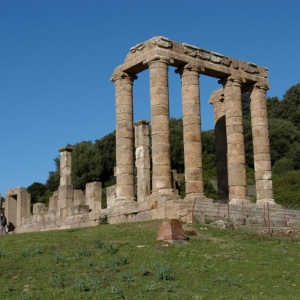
x,y
163,192
265,201
239,200
124,200
194,196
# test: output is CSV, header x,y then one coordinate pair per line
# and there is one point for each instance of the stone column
x,y
124,138
65,165
142,159
261,145
159,97
236,163
65,190
217,100
191,130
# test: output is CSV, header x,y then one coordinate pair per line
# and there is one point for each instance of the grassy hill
x,y
126,262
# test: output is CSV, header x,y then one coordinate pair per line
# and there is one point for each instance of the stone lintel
x,y
212,63
15,191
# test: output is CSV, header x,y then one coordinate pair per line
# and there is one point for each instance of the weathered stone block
x,y
38,208
78,197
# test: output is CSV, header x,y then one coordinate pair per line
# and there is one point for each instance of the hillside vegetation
x,y
96,161
126,262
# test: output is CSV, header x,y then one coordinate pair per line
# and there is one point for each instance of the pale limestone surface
x,y
157,55
68,207
191,129
124,138
142,159
17,205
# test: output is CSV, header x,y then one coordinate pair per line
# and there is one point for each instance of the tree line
x,y
95,161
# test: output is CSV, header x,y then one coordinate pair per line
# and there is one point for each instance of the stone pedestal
x,y
170,231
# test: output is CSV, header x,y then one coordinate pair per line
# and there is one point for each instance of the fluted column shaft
x,y
124,138
236,163
159,97
191,130
261,145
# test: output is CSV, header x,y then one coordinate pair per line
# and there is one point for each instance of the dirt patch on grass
x,y
280,233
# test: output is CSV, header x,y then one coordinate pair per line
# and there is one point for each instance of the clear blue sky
x,y
56,58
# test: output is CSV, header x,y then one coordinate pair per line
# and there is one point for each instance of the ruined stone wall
x,y
83,210
248,214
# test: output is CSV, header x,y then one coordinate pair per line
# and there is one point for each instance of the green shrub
x,y
283,166
287,189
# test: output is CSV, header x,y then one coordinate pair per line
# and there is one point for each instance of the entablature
x,y
179,54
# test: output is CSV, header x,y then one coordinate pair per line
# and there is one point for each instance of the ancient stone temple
x,y
145,183
235,77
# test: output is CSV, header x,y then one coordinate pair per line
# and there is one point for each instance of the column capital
x,y
141,122
123,75
216,97
67,148
262,84
190,67
233,79
160,58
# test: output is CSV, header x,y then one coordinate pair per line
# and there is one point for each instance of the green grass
x,y
126,262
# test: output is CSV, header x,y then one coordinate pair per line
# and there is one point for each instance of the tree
x,y
282,166
176,140
84,168
246,104
105,158
36,191
283,133
52,182
288,108
287,189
